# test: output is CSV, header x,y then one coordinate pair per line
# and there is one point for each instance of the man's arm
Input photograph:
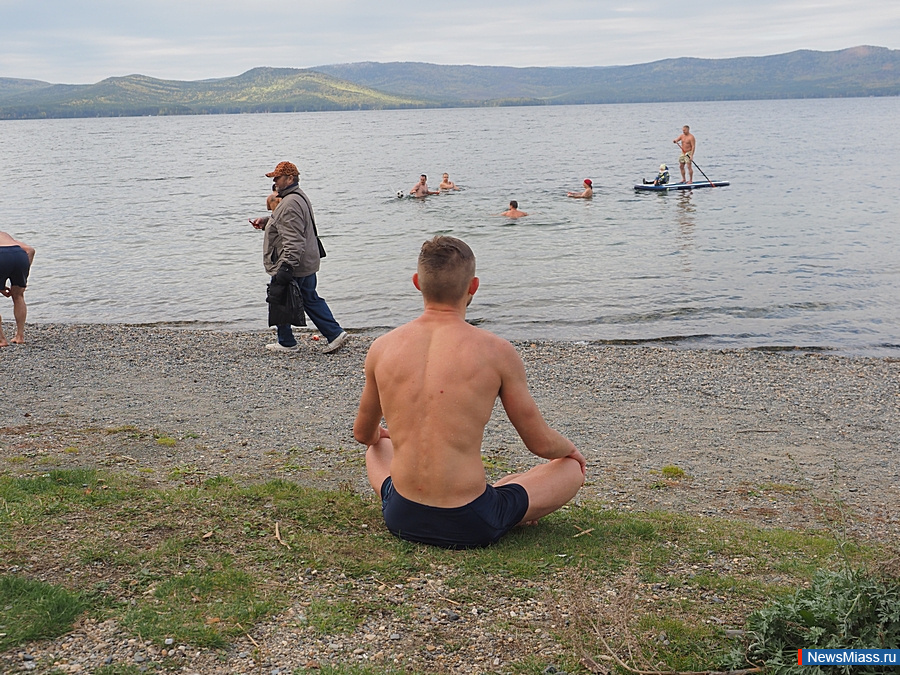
x,y
523,412
367,427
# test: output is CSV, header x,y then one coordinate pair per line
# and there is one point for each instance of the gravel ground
x,y
771,437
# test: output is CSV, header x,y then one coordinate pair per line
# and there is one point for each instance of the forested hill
x,y
257,90
860,71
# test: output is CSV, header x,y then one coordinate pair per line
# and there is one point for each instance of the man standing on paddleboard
x,y
688,145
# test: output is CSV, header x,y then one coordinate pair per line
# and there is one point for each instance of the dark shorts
x,y
479,523
14,266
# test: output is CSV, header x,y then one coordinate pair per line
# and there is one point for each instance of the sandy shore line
x,y
775,437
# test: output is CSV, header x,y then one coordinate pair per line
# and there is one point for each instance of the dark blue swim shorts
x,y
479,523
14,266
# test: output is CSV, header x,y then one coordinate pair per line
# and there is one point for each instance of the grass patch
x,y
204,563
201,608
34,610
672,472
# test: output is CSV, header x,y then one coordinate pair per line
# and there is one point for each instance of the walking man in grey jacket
x,y
291,252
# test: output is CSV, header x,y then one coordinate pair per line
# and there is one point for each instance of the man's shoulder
x,y
490,343
297,196
295,203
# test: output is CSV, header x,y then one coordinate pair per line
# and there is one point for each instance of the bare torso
x,y
688,143
438,378
420,189
514,213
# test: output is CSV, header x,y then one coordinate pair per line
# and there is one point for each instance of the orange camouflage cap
x,y
284,169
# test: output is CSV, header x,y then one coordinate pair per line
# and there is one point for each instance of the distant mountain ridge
x,y
858,71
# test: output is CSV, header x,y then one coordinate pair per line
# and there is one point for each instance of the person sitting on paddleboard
x,y
662,178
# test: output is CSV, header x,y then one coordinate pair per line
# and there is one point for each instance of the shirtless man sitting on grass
x,y
435,380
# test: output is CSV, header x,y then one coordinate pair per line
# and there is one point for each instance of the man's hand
x,y
578,457
5,291
259,223
382,433
285,274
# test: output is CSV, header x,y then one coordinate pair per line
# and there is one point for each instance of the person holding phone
x,y
291,253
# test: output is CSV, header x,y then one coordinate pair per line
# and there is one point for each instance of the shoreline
x,y
689,342
777,438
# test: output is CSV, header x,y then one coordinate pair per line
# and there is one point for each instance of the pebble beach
x,y
731,420
763,436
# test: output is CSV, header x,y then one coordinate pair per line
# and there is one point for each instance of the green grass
x,y
673,472
202,608
34,610
203,563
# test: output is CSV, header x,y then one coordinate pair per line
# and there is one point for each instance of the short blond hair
x,y
446,266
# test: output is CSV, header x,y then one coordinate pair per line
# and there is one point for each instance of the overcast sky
x,y
85,41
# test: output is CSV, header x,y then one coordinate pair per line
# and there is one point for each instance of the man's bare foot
x,y
18,340
4,343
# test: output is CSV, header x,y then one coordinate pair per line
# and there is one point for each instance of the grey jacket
x,y
289,236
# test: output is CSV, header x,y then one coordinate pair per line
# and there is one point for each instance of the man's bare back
x,y
513,211
435,381
438,378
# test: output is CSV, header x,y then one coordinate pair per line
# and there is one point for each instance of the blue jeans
x,y
316,309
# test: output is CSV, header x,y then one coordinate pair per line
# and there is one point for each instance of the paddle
x,y
711,184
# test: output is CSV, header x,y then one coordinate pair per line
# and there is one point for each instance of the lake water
x,y
144,220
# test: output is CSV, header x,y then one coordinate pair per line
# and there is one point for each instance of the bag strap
x,y
312,216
